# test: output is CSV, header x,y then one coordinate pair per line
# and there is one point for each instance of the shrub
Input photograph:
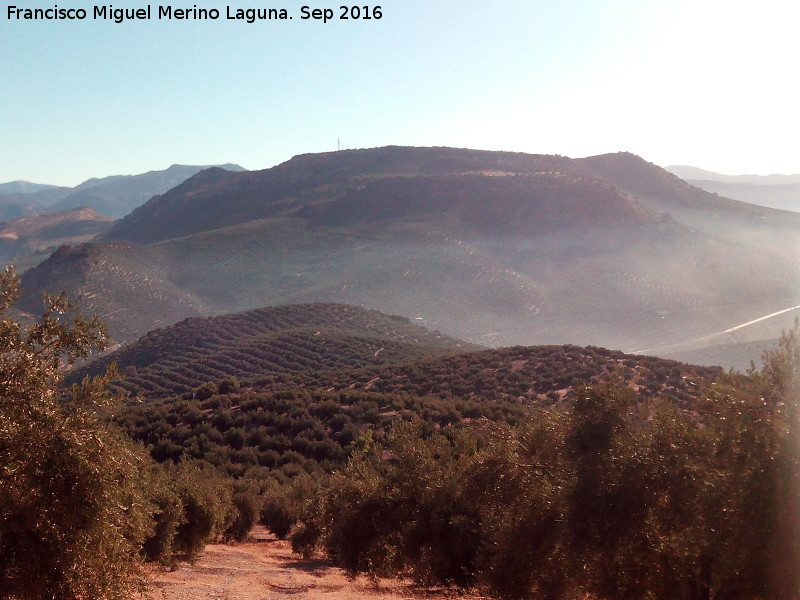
x,y
247,507
206,499
73,508
284,504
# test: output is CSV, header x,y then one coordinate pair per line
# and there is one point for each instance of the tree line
x,y
610,493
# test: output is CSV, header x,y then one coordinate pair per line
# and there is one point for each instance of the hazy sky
x,y
711,84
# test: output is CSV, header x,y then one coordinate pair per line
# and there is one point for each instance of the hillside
x,y
258,343
48,230
118,195
292,412
693,205
114,196
529,375
13,205
20,198
128,286
216,199
495,248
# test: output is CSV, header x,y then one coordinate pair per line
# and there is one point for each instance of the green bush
x,y
73,505
247,508
206,497
610,497
169,515
285,503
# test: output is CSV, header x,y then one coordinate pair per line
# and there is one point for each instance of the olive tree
x,y
73,511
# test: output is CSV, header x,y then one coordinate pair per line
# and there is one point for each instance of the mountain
x,y
23,187
782,196
118,195
216,199
11,206
47,230
693,173
495,248
268,341
686,202
115,196
18,204
774,191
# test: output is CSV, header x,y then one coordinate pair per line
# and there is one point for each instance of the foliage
x,y
73,511
183,358
780,389
286,429
608,496
284,504
246,512
206,498
169,514
411,517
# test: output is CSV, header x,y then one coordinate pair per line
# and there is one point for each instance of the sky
x,y
711,84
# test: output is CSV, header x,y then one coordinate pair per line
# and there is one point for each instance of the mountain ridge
x,y
499,249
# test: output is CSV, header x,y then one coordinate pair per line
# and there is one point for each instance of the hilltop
x,y
269,341
495,248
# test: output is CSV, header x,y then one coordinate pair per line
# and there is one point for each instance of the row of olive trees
x,y
80,505
606,497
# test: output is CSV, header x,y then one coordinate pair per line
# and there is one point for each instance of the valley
x,y
370,444
494,248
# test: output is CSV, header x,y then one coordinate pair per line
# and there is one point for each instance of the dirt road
x,y
266,569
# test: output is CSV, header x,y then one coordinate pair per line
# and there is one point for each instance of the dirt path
x,y
266,569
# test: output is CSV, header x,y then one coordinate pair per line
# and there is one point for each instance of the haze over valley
x,y
493,248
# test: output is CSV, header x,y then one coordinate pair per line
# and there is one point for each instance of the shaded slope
x,y
488,205
685,202
495,248
127,286
20,203
215,199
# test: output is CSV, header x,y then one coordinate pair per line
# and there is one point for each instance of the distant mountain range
x,y
494,248
776,191
693,173
23,187
113,196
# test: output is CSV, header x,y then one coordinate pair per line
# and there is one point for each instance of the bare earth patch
x,y
266,569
